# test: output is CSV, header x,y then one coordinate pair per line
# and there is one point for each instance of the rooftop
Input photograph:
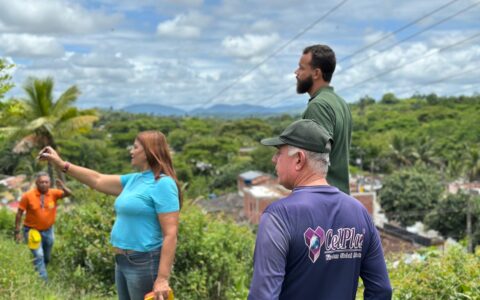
x,y
250,175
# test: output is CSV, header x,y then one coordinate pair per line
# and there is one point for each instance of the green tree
x,y
254,129
214,150
44,119
424,152
472,162
177,138
401,151
262,159
389,98
450,214
5,77
408,194
363,103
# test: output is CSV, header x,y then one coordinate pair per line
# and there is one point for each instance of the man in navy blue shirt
x,y
317,242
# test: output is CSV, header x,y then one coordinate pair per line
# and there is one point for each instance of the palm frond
x,y
76,124
65,100
39,98
38,123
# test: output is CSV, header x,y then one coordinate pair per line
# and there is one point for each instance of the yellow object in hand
x,y
151,296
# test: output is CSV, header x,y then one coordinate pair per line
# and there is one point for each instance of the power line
x,y
411,36
436,81
397,31
386,36
276,51
411,62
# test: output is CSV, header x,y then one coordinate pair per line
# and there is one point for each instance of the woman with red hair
x,y
144,235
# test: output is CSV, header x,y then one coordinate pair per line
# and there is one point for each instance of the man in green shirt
x,y
314,74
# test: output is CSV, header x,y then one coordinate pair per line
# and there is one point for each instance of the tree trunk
x,y
51,174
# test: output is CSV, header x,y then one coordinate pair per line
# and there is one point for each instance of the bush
x,y
19,280
85,257
433,274
213,259
7,222
450,275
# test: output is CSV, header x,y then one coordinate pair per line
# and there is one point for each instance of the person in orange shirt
x,y
40,205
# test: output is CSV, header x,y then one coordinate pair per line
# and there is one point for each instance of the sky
x,y
197,53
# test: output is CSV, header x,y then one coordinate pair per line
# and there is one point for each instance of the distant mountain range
x,y
219,110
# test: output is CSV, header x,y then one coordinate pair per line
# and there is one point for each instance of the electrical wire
x,y
302,32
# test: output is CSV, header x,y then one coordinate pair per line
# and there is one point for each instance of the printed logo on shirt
x,y
51,205
346,243
314,240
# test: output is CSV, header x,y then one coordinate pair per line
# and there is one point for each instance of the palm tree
x,y
401,151
424,152
472,162
45,119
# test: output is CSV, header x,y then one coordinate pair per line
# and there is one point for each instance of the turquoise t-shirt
x,y
137,207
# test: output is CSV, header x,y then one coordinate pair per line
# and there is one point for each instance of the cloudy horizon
x,y
194,53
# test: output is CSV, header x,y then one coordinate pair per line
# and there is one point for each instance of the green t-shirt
x,y
333,113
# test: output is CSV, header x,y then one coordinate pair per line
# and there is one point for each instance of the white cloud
x,y
27,45
262,26
52,16
183,26
374,37
191,3
183,53
250,45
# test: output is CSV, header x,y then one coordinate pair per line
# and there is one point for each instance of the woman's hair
x,y
158,156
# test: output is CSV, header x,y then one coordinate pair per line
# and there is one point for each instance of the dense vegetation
x,y
416,145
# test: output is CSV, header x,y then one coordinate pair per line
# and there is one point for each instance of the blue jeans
x,y
42,255
135,274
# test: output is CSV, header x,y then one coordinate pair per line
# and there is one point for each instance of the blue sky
x,y
194,53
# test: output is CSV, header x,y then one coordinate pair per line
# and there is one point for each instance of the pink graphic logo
x,y
314,240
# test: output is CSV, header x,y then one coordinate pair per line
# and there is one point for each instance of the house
x,y
398,239
259,190
455,187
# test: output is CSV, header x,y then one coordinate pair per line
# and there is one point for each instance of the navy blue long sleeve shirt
x,y
315,244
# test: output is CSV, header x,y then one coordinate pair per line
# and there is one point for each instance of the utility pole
x,y
469,224
472,194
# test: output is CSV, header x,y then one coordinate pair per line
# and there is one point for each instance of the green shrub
x,y
453,274
19,280
17,276
213,259
86,258
7,222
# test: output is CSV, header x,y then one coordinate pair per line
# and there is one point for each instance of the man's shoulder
x,y
329,97
56,192
280,204
29,193
305,194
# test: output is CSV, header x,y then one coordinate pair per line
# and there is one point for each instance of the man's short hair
x,y
40,174
323,58
318,162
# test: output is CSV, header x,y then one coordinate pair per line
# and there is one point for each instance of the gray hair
x,y
40,174
318,162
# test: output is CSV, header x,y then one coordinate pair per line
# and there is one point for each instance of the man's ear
x,y
301,160
317,73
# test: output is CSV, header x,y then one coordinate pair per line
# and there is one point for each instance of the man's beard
x,y
304,86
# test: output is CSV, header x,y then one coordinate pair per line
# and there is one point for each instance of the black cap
x,y
305,134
